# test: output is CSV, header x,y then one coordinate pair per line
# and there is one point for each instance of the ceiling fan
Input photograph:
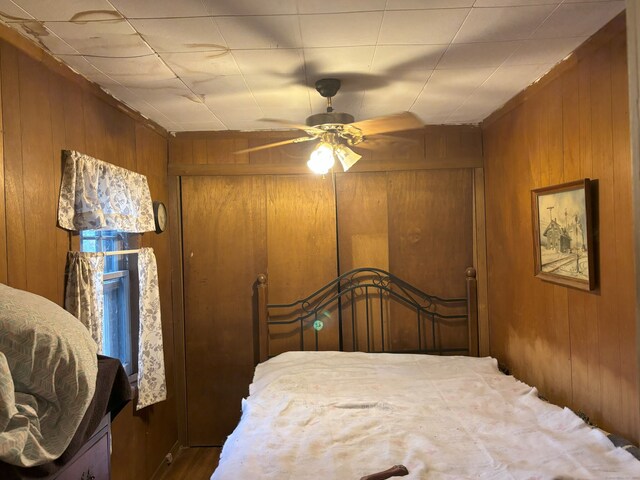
x,y
337,132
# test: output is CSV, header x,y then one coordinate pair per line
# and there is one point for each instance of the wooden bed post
x,y
472,310
263,327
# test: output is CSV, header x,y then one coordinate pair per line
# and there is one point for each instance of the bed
x,y
356,414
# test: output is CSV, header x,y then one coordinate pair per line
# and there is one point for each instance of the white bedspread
x,y
333,415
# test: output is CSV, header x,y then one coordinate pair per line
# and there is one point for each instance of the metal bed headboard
x,y
373,287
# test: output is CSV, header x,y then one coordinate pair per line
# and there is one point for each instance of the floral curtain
x,y
84,294
96,195
151,379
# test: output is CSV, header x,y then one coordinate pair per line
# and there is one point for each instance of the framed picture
x,y
562,234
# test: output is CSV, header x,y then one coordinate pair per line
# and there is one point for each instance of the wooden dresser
x,y
93,460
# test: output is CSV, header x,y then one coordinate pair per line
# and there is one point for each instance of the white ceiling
x,y
225,64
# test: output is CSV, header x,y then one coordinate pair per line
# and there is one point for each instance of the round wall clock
x,y
160,216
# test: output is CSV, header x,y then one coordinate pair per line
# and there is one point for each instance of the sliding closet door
x,y
301,254
224,250
235,228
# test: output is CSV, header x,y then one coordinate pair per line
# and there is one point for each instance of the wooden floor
x,y
193,464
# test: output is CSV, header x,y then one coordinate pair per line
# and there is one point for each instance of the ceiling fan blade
x,y
386,142
390,123
287,123
276,144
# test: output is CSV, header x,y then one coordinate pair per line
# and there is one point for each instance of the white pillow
x,y
50,364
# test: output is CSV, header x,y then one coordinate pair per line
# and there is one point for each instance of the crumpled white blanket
x,y
338,415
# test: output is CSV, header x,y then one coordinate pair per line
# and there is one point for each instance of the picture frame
x,y
563,234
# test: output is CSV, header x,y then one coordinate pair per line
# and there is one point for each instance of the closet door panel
x,y
223,252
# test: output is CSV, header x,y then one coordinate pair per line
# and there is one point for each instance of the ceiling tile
x,y
398,95
134,72
155,91
270,92
425,4
286,63
446,90
502,24
10,12
136,103
544,50
46,38
471,116
436,104
463,80
181,34
161,8
477,107
181,109
471,55
84,68
291,105
229,90
199,67
245,119
340,30
340,6
227,93
110,38
172,100
250,7
280,31
435,108
509,80
390,60
340,62
421,26
579,19
69,10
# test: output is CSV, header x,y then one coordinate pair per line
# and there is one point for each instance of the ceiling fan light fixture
x,y
321,159
346,156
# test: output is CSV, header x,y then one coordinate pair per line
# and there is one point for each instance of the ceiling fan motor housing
x,y
328,87
329,117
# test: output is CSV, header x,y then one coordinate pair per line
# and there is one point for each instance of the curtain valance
x,y
97,195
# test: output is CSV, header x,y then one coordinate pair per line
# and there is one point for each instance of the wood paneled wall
x,y
415,224
242,215
579,348
47,108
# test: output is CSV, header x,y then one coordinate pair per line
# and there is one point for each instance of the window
x,y
120,281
